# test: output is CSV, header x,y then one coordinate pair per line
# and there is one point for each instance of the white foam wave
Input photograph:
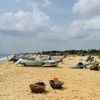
x,y
3,59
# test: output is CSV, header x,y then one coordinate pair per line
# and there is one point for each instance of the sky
x,y
37,25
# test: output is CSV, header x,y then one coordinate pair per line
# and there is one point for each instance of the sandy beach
x,y
79,84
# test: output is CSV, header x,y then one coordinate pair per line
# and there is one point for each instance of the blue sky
x,y
36,25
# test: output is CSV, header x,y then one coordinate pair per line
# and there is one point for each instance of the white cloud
x,y
87,28
54,32
32,24
47,2
38,24
87,7
24,22
37,3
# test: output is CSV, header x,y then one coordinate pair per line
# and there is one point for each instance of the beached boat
x,y
55,83
38,61
52,63
38,87
29,62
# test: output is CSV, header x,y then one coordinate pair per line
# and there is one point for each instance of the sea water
x,y
3,58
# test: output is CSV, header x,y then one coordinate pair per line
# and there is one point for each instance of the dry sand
x,y
79,84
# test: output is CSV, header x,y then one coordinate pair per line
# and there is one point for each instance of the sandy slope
x,y
79,84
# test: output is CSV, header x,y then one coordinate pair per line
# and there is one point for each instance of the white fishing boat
x,y
50,63
27,62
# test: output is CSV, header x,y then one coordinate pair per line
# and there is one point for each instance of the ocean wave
x,y
4,58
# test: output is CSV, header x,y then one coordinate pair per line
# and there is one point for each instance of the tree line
x,y
69,52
